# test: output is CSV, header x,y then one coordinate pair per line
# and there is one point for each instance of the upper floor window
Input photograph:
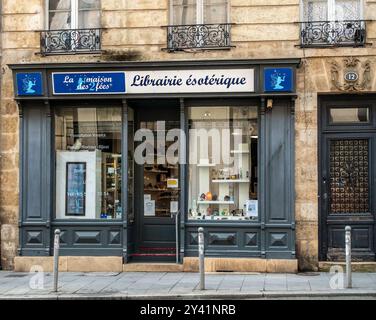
x,y
73,27
332,23
185,12
332,10
74,14
202,24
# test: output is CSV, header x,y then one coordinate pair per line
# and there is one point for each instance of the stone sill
x,y
115,264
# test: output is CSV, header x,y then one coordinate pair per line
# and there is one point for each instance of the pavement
x,y
162,285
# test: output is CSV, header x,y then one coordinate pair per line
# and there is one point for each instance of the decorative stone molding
x,y
353,75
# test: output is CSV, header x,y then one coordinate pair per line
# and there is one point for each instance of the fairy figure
x,y
28,86
277,81
80,83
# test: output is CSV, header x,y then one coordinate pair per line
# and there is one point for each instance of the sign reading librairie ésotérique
x,y
154,82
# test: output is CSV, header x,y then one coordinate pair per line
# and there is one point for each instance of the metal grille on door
x,y
349,176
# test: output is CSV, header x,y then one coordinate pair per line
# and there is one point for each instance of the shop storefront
x,y
129,159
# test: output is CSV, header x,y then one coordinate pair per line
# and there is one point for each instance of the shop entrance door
x,y
157,182
348,180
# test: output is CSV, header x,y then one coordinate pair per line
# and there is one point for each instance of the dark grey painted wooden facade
x,y
273,236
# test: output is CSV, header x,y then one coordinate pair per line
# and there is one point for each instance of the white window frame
x,y
331,10
200,5
74,14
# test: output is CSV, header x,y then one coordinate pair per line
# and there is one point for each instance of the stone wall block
x,y
9,240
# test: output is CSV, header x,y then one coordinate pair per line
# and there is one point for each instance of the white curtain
x,y
348,10
89,15
59,14
75,14
184,12
325,10
315,10
215,11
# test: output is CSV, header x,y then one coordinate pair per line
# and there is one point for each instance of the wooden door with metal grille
x,y
347,190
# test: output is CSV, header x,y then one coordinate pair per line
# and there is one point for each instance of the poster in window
x,y
75,189
149,209
172,183
252,208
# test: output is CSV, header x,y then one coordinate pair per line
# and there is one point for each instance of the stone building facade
x,y
135,31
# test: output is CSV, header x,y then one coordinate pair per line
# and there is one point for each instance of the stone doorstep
x,y
152,267
115,264
324,266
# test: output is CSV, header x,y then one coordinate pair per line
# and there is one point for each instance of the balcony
x,y
70,41
350,33
199,36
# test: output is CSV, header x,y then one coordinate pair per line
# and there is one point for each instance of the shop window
x,y
223,163
88,163
349,115
73,27
199,24
332,22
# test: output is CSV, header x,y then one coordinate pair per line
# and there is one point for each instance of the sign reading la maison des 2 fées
x,y
154,82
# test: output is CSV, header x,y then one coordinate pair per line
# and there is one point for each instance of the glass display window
x,y
88,163
223,164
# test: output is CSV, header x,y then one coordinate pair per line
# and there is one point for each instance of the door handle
x,y
324,189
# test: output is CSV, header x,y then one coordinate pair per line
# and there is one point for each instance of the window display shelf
x,y
161,210
240,151
230,181
231,218
205,165
216,202
163,190
168,197
155,171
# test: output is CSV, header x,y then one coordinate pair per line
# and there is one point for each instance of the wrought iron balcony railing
x,y
70,41
199,36
333,33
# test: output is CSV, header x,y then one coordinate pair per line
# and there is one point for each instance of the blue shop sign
x,y
88,83
278,80
29,84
